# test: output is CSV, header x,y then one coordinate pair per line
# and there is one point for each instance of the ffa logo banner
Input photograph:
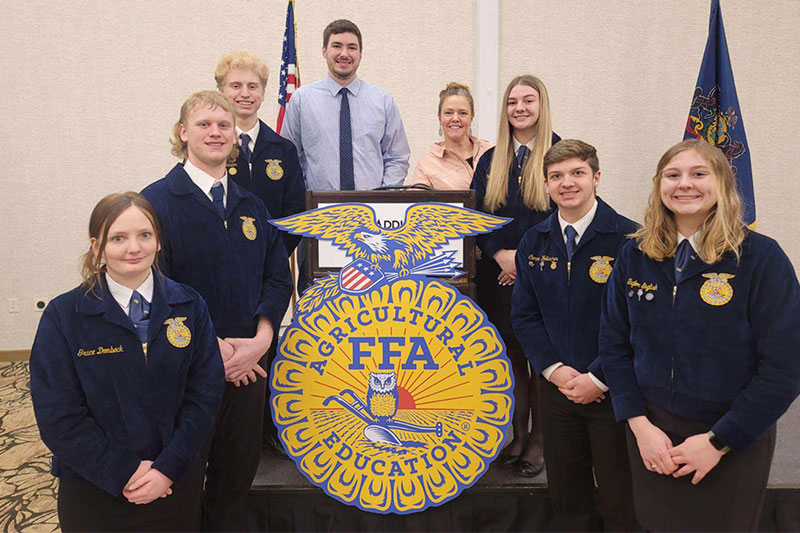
x,y
391,391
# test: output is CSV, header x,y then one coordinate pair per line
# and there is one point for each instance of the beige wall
x,y
91,88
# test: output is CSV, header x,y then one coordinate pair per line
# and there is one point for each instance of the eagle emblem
x,y
716,290
391,253
601,269
178,333
248,228
274,169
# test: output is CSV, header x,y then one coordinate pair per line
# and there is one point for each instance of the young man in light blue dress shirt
x,y
321,116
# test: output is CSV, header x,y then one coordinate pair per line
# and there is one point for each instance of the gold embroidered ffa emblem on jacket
x,y
716,290
248,228
274,169
178,333
601,268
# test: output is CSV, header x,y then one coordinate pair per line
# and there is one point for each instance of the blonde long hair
x,y
722,231
532,184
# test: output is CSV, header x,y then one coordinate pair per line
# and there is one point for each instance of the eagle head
x,y
376,242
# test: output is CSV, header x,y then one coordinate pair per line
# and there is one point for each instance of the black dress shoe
x,y
506,459
529,469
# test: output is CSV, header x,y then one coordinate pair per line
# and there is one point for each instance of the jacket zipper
x,y
672,342
144,350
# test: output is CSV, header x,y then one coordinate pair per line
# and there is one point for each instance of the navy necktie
x,y
522,154
682,259
246,146
139,312
346,177
217,192
570,232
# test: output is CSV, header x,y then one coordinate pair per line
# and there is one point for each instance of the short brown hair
x,y
211,100
103,216
341,26
569,148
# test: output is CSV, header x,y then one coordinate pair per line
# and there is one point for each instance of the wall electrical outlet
x,y
13,305
39,304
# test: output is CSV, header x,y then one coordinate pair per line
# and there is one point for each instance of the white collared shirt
x,y
692,239
253,133
580,227
122,294
517,144
205,181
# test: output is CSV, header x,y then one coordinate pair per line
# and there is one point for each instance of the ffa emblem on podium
x,y
391,390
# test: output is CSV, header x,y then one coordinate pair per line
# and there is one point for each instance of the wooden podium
x,y
389,205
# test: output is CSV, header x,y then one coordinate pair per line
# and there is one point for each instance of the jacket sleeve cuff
x,y
600,385
120,472
628,406
272,314
733,434
547,372
596,370
171,465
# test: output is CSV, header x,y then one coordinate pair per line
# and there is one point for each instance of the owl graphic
x,y
382,395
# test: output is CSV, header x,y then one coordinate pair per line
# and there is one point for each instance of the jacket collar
x,y
605,221
166,293
266,136
180,184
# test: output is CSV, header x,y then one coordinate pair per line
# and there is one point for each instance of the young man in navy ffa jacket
x,y
267,164
217,239
563,264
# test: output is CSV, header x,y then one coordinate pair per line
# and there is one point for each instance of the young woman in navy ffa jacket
x,y
126,378
698,343
563,265
217,239
508,182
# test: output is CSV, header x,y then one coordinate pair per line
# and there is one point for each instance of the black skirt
x,y
729,498
495,300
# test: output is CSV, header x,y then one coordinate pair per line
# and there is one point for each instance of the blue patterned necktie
x,y
682,259
346,177
139,312
571,234
246,146
217,192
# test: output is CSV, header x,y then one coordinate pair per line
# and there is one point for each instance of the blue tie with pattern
x,y
570,232
682,259
140,315
522,153
346,177
246,147
217,192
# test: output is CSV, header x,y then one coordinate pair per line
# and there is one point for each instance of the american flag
x,y
290,74
359,276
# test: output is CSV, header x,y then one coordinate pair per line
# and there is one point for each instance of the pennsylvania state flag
x,y
715,115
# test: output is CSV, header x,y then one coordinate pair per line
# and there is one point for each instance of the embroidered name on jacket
x,y
641,289
100,350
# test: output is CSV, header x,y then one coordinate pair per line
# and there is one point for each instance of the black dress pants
x,y
85,507
729,498
584,443
233,456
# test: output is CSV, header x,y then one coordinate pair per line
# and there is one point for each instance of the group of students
x,y
644,356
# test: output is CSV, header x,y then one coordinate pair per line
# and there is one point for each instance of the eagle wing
x,y
335,223
428,226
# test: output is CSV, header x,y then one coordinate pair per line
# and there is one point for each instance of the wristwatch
x,y
717,444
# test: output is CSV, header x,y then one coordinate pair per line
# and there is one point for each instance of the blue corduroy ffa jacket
x,y
239,265
103,406
555,307
721,346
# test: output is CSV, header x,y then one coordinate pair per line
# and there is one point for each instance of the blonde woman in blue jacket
x,y
698,342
